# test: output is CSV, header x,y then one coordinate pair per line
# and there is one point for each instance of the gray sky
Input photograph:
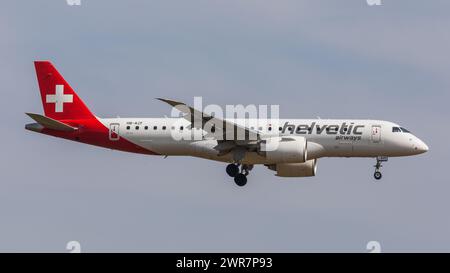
x,y
333,59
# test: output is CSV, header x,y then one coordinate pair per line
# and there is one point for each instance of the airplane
x,y
289,147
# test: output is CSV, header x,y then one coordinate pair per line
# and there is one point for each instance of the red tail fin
x,y
58,98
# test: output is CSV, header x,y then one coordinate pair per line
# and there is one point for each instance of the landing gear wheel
x,y
377,175
380,159
232,170
240,179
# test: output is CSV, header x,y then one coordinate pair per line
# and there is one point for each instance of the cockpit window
x,y
399,129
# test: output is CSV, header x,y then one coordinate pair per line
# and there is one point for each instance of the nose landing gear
x,y
240,177
377,175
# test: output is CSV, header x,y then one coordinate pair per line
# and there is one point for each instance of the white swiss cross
x,y
59,98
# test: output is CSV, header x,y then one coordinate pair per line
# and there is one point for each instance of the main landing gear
x,y
377,175
240,176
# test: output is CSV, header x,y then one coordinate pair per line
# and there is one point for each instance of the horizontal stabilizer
x,y
51,123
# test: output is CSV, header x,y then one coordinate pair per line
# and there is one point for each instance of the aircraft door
x,y
376,134
114,131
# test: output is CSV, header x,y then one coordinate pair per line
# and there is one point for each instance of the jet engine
x,y
305,169
290,149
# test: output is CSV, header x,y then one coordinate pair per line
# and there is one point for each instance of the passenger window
x,y
270,128
128,127
137,127
396,129
146,127
164,127
181,128
155,127
280,128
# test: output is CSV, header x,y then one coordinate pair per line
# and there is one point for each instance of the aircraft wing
x,y
224,130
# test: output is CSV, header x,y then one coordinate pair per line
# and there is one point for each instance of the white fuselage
x,y
325,137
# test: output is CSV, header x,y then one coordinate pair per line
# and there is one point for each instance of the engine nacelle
x,y
290,149
305,169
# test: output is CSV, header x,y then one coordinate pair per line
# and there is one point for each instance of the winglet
x,y
171,102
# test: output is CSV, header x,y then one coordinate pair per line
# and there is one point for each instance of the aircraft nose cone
x,y
421,147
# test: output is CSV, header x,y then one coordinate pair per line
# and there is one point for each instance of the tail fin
x,y
58,98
